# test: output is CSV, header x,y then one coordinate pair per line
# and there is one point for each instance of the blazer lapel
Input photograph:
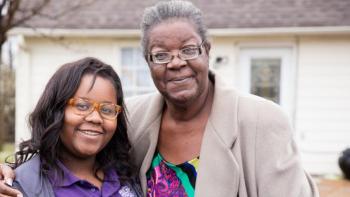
x,y
145,121
151,141
218,171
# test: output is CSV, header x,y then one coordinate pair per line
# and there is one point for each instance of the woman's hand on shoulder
x,y
6,177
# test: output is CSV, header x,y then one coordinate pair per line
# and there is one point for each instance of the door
x,y
269,73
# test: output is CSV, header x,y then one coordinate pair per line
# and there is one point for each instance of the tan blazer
x,y
247,150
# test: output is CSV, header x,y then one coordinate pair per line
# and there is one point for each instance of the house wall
x,y
323,101
320,84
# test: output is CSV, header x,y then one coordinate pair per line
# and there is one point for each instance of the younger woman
x,y
79,145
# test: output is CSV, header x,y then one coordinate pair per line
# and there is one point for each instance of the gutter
x,y
220,32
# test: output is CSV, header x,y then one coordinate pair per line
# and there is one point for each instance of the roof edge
x,y
280,31
219,32
55,32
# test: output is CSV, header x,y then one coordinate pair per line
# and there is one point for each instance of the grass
x,y
7,150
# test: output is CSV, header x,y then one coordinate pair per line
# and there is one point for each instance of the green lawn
x,y
7,149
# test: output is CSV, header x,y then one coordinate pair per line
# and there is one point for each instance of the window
x,y
136,77
265,78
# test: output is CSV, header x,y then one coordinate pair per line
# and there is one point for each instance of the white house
x,y
296,53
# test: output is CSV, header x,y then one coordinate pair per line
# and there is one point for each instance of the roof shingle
x,y
126,14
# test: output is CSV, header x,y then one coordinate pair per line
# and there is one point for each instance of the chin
x,y
88,153
182,98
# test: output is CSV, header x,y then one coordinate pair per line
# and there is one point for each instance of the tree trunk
x,y
2,41
7,104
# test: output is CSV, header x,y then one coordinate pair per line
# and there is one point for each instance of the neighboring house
x,y
295,52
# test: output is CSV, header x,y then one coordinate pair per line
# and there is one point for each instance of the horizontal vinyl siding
x,y
323,102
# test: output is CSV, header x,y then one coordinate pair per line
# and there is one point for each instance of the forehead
x,y
101,89
173,33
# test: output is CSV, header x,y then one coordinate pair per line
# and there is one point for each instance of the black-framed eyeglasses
x,y
186,53
85,107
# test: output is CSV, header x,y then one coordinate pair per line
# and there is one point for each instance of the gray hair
x,y
166,10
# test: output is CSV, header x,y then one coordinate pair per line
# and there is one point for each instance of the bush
x,y
344,163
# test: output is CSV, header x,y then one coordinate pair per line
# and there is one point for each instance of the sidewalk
x,y
334,188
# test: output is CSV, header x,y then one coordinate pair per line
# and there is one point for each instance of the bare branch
x,y
33,12
51,16
2,6
13,7
75,7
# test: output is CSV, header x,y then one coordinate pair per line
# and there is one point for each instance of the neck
x,y
80,167
194,109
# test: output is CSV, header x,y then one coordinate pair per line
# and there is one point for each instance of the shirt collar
x,y
69,178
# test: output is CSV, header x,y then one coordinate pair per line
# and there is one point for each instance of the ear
x,y
207,46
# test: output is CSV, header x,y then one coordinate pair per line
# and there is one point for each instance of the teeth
x,y
179,80
91,133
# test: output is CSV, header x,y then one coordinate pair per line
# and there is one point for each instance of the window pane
x,y
135,77
265,78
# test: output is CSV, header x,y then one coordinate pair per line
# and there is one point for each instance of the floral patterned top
x,y
165,179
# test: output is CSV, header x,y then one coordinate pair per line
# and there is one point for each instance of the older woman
x,y
197,137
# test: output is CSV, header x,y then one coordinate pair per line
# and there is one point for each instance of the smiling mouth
x,y
90,132
180,80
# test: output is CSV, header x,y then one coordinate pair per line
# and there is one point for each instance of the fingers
x,y
6,177
2,195
19,195
8,191
7,174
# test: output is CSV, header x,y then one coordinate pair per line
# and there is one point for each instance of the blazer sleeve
x,y
277,160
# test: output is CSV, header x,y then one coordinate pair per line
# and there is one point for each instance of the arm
x,y
6,177
278,166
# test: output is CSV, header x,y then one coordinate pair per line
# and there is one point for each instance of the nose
x,y
176,62
94,117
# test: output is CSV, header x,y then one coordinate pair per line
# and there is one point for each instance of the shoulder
x,y
260,110
138,102
250,111
142,112
264,122
29,177
31,166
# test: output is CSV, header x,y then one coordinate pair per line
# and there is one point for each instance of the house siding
x,y
323,101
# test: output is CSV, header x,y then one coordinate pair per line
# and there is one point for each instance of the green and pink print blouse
x,y
165,179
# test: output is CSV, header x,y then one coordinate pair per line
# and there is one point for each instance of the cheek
x,y
70,120
68,127
158,77
110,127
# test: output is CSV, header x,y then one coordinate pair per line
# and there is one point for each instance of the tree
x,y
14,13
9,9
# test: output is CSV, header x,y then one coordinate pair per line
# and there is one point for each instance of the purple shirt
x,y
73,186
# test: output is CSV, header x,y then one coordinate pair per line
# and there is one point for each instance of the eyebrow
x,y
160,43
85,98
164,47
